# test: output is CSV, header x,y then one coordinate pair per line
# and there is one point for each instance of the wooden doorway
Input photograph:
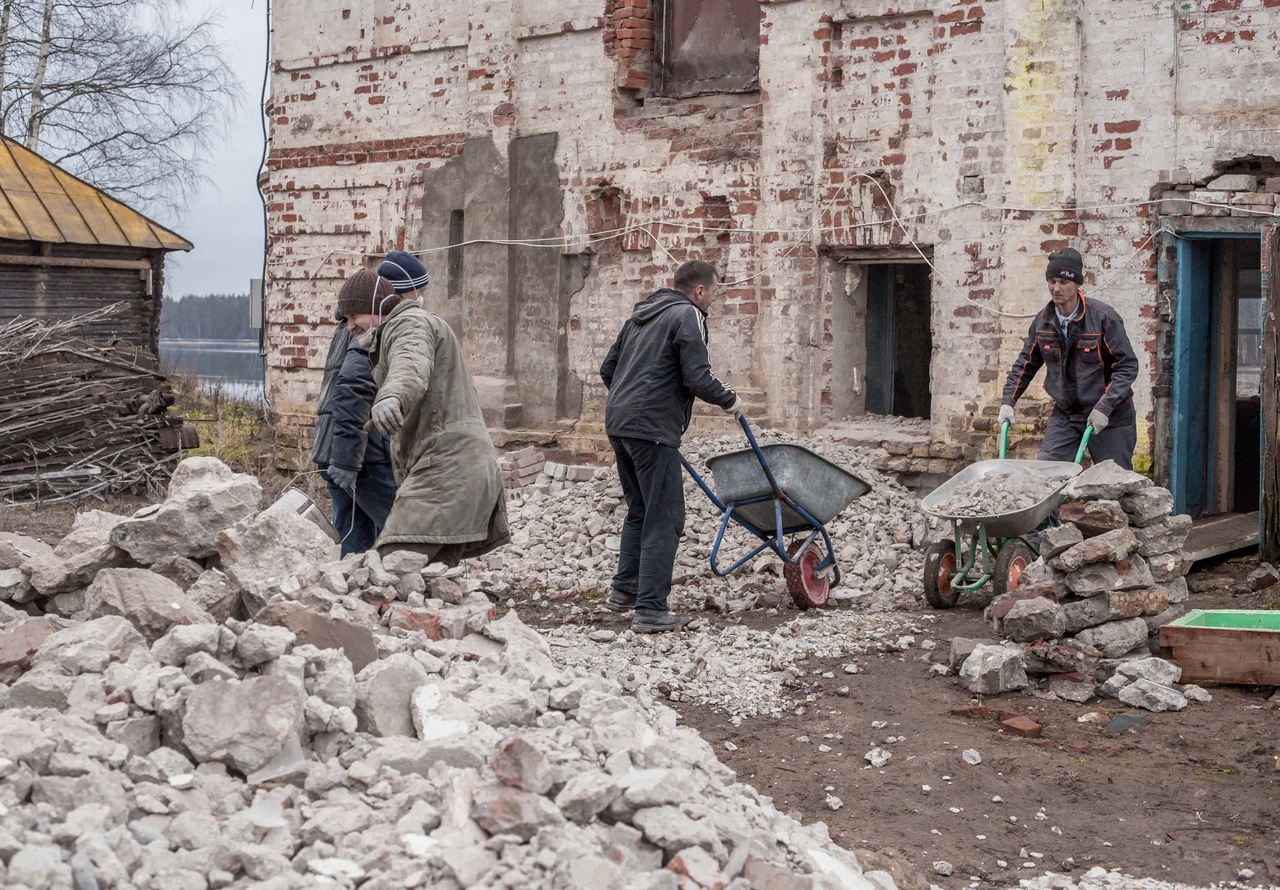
x,y
1219,373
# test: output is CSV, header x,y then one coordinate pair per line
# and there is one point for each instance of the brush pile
x,y
79,418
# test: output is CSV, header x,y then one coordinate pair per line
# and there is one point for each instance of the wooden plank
x,y
1218,535
1269,532
9,259
1223,388
1223,655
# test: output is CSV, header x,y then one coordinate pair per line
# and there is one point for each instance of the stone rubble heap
x,y
1108,577
999,492
569,540
337,734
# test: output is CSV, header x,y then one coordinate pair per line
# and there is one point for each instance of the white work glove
x,y
1098,420
1006,415
736,408
343,478
387,417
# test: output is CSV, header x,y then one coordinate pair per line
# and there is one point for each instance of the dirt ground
x,y
1188,796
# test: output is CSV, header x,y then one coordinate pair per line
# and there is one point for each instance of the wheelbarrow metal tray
x,y
1013,523
817,485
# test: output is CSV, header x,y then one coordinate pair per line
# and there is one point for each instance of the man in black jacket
x,y
355,464
655,368
1089,370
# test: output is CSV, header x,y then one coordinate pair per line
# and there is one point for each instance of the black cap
x,y
1067,264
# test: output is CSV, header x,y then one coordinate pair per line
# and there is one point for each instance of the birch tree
x,y
126,94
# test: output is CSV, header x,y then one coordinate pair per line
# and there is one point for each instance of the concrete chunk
x,y
1151,696
1148,506
1115,638
991,670
1106,481
1033,619
1126,574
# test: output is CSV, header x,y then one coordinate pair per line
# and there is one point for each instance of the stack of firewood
x,y
80,418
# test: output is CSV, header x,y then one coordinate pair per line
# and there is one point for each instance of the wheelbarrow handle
x,y
764,463
1004,441
1084,443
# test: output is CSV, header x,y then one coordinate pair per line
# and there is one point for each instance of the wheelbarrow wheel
x,y
808,589
1013,560
939,568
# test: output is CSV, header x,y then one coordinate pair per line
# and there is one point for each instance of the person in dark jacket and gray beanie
x,y
355,464
1089,369
653,372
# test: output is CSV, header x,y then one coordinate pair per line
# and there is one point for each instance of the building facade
x,y
878,180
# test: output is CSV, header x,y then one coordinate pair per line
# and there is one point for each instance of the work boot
x,y
620,602
652,621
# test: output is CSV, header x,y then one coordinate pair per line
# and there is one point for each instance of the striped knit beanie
x,y
364,293
404,271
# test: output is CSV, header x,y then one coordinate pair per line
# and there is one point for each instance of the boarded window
x,y
710,46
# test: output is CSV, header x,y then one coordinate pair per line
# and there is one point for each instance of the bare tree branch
x,y
123,93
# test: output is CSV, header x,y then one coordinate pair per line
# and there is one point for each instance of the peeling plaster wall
x,y
386,116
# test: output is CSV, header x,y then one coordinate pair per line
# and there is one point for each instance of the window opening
x,y
710,46
456,225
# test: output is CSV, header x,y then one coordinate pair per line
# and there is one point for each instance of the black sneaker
x,y
652,621
620,602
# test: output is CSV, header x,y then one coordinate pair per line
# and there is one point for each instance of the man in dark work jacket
x,y
655,368
1089,369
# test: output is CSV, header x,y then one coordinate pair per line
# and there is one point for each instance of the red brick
x,y
1022,725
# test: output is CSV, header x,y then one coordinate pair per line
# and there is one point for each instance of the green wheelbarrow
x,y
991,549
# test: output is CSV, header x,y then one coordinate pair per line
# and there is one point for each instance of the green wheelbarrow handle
x,y
1084,441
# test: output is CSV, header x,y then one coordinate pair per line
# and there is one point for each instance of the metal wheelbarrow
x,y
776,491
997,550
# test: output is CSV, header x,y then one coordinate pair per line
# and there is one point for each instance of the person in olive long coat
x,y
450,504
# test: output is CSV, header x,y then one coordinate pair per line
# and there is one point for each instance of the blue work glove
x,y
343,478
1098,420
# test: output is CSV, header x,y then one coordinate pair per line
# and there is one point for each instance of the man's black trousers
x,y
653,486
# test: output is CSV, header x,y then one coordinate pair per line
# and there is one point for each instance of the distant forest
x,y
210,317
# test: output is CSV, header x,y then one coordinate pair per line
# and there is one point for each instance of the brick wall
x,y
995,131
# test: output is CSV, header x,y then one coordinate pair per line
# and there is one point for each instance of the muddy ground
x,y
1192,796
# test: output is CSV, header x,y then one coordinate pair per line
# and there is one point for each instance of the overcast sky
x,y
225,221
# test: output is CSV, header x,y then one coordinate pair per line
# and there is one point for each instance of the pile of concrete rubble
x,y
569,539
1005,491
214,700
1108,577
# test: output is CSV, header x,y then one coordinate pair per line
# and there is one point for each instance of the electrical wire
x,y
266,216
653,228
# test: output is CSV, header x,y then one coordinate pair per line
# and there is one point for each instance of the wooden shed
x,y
67,248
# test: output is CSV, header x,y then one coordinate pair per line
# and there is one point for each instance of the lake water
x,y
232,364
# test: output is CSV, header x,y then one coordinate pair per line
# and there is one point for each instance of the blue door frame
x,y
1195,335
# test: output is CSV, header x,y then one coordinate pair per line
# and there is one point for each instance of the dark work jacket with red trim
x,y
1094,368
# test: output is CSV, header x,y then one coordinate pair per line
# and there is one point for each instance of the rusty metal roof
x,y
40,201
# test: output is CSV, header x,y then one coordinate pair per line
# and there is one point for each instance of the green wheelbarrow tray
x,y
1014,523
